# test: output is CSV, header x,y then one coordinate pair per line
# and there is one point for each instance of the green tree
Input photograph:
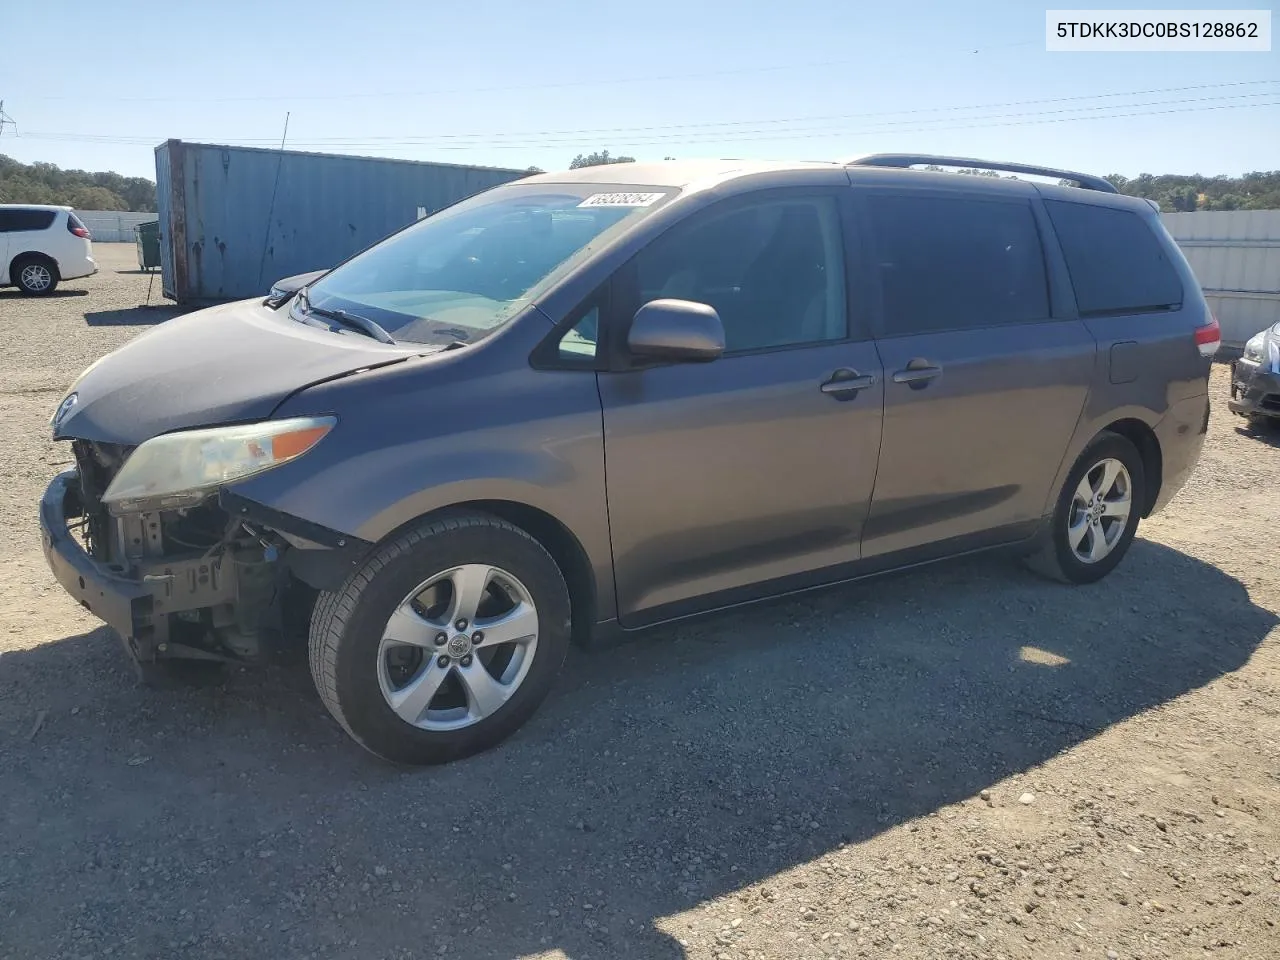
x,y
47,183
597,160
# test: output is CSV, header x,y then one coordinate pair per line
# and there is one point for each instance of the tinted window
x,y
947,264
773,269
1116,262
12,221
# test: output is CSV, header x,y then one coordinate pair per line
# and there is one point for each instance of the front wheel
x,y
445,640
1097,513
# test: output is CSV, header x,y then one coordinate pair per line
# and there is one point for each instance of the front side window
x,y
464,272
952,264
773,269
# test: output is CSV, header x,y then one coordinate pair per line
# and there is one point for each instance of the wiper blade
x,y
354,320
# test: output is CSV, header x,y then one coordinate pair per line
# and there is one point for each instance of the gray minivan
x,y
590,402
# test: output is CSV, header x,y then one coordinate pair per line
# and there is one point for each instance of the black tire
x,y
27,284
347,626
1056,559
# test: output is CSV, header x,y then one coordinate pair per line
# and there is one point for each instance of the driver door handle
x,y
845,383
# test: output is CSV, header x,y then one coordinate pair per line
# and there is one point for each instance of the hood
x,y
231,363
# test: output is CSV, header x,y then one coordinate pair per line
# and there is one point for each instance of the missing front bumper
x,y
206,604
1255,392
118,601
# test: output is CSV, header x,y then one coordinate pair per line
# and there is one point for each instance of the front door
x,y
757,466
983,386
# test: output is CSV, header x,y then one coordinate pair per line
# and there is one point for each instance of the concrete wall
x,y
113,226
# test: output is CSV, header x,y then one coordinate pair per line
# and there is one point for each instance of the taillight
x,y
77,228
82,233
1208,337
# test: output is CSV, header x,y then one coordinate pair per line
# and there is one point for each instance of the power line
x,y
747,135
593,82
502,135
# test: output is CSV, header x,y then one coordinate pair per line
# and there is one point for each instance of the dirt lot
x,y
964,762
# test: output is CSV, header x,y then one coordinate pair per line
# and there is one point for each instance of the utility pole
x,y
6,119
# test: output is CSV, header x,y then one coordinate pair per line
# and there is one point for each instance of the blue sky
x,y
507,83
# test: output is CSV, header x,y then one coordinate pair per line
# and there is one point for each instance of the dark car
x,y
591,402
1255,379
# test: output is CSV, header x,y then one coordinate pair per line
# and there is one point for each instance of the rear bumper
x,y
1255,391
122,603
1181,436
76,268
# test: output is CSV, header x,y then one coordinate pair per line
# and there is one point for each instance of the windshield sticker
x,y
620,200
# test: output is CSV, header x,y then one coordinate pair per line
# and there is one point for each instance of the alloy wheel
x,y
36,277
1100,510
457,647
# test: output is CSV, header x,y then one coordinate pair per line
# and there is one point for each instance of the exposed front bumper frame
x,y
122,603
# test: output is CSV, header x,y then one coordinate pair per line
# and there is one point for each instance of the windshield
x,y
464,272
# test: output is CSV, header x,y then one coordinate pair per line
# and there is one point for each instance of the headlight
x,y
180,469
1255,346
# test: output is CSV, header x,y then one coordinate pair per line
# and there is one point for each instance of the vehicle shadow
x,y
662,773
1268,433
139,316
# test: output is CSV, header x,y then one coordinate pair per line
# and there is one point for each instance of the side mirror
x,y
676,330
282,290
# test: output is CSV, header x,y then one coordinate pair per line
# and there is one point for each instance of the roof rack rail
x,y
1085,180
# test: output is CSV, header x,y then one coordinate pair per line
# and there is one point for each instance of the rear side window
x,y
951,264
12,221
1116,262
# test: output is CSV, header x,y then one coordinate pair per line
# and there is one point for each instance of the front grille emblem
x,y
65,408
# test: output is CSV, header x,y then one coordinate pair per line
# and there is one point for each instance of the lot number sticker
x,y
620,199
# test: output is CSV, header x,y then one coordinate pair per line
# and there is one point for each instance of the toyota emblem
x,y
65,408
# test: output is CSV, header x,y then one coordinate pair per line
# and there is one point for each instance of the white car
x,y
41,245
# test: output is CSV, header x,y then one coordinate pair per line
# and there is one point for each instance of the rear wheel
x,y
444,642
34,276
1097,513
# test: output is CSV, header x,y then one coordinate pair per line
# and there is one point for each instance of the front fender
x,y
532,438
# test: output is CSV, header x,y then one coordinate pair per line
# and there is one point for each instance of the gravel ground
x,y
962,762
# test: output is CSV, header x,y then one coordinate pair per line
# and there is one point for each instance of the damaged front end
x,y
200,575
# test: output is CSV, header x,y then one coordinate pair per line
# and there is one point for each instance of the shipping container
x,y
233,220
1236,257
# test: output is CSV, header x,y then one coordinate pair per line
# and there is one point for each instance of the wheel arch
x,y
32,255
555,537
1148,445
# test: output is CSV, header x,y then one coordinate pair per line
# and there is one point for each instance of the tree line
x,y
47,183
1259,190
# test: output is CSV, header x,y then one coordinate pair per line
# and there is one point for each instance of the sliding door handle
x,y
845,383
918,373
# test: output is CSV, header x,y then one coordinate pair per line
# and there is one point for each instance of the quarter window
x,y
772,269
1117,264
951,264
581,342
